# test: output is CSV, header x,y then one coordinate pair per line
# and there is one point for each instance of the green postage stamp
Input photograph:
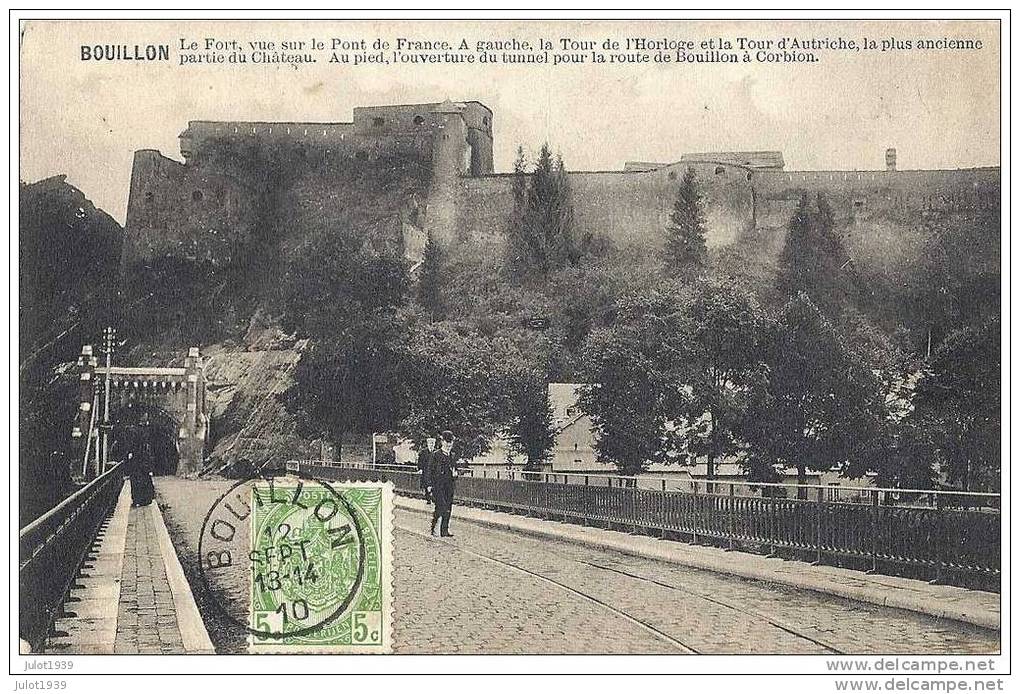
x,y
321,562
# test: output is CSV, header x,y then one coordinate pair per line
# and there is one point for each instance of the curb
x,y
882,596
193,632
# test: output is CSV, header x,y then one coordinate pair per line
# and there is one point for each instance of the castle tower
x,y
451,155
890,159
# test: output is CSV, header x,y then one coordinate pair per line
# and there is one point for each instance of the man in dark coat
x,y
424,466
442,472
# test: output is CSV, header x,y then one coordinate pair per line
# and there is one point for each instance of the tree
x,y
686,252
620,399
720,366
956,420
337,280
531,431
677,366
348,385
633,393
820,404
429,295
956,280
345,298
814,259
520,185
452,377
173,299
541,230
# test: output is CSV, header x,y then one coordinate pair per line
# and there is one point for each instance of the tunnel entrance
x,y
162,430
173,395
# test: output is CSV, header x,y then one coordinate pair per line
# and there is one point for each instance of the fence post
x,y
940,530
632,492
773,523
874,531
732,515
660,517
697,516
819,509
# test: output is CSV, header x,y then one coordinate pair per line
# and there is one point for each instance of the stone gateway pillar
x,y
85,428
194,429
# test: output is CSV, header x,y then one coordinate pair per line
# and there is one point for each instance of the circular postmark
x,y
297,544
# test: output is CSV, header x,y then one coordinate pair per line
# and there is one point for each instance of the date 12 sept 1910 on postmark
x,y
318,557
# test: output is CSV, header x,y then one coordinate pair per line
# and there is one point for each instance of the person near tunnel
x,y
141,459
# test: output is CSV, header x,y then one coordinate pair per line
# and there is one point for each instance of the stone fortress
x,y
204,207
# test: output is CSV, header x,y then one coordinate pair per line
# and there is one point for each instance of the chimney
x,y
890,159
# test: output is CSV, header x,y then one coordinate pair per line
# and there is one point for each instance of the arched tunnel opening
x,y
135,423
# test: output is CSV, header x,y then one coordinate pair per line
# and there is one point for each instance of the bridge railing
x,y
948,536
51,550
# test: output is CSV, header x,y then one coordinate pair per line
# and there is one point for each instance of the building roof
x,y
640,166
753,160
563,397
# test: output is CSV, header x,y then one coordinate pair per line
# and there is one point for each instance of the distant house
x,y
574,449
574,452
575,440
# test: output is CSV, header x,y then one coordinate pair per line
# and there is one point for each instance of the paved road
x,y
490,591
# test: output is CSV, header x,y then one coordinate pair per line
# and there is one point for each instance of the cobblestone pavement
x,y
147,620
491,591
706,612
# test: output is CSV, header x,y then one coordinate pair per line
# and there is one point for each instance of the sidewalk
x,y
975,607
132,596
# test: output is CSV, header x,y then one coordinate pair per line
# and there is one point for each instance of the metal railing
x,y
51,550
947,536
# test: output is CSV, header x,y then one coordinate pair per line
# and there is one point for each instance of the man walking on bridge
x,y
441,475
424,466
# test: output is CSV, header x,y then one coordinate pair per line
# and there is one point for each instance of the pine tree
x,y
565,249
520,187
686,251
797,245
814,259
541,234
428,281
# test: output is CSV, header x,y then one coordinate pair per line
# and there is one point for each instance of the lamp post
x,y
109,336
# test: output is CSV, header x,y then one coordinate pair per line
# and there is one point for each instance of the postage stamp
x,y
320,566
301,564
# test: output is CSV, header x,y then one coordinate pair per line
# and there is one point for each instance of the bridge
x,y
542,562
545,563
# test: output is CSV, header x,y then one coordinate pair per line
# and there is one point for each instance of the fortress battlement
x,y
204,209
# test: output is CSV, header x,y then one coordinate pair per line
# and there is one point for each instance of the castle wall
x,y
209,208
240,175
199,134
634,208
184,211
628,207
381,199
473,121
861,194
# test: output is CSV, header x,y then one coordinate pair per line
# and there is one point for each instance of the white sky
x,y
939,109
